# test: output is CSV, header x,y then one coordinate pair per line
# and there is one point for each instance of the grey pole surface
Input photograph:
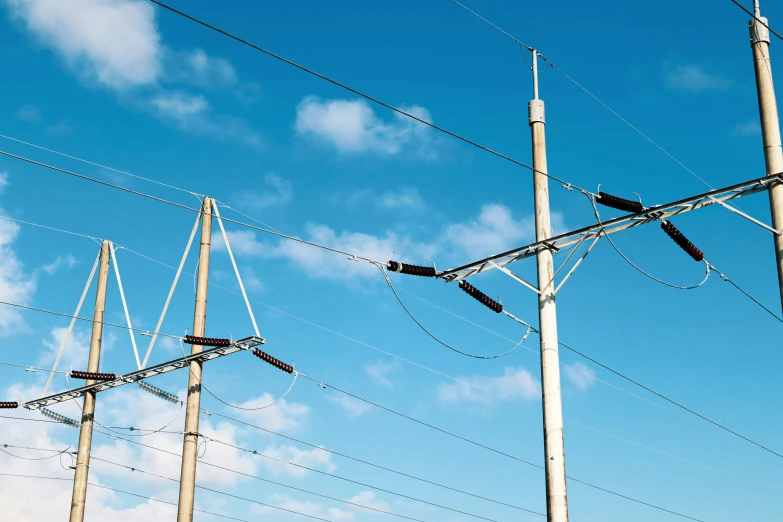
x,y
770,128
554,447
187,486
79,498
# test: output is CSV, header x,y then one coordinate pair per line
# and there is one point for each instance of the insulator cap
x,y
8,405
682,241
481,297
277,363
95,376
404,268
206,341
619,203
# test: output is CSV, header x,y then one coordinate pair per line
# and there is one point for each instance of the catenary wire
x,y
359,93
324,473
33,368
34,309
735,285
752,15
94,485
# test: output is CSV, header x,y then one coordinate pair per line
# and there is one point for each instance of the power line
x,y
91,484
32,368
329,475
759,20
359,93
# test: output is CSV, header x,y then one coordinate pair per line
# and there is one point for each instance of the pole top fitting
x,y
759,30
536,112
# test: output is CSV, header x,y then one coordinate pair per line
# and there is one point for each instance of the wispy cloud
x,y
404,198
514,384
694,79
580,375
353,407
16,284
67,261
747,129
379,372
279,192
29,114
352,127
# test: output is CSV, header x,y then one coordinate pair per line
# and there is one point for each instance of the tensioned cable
x,y
33,309
639,269
92,484
57,453
735,285
319,494
33,368
47,227
276,459
359,93
488,448
435,338
759,20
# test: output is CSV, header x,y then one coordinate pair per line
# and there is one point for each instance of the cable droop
x,y
206,341
404,268
682,241
481,297
59,418
277,363
94,376
8,405
163,394
628,205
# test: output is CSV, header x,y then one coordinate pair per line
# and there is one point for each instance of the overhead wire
x,y
359,93
759,20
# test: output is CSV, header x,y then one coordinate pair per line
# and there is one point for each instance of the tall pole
x,y
79,498
770,127
187,486
554,447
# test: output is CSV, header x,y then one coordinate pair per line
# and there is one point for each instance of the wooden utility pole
x,y
79,498
554,447
187,486
770,126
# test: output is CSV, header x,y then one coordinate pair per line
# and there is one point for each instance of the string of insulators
x,y
480,296
619,203
207,341
59,418
8,405
404,268
682,241
94,376
163,394
277,363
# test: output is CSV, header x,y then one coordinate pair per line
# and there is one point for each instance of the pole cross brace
x,y
207,355
713,197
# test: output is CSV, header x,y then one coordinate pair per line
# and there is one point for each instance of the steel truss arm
x,y
176,364
655,213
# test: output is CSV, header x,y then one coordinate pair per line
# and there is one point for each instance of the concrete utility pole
x,y
770,127
187,486
79,498
554,447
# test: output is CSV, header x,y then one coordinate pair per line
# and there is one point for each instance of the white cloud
x,y
495,230
351,126
279,193
404,198
198,68
115,42
283,416
16,286
368,499
251,280
3,181
515,384
29,114
353,407
307,508
379,372
580,375
694,79
314,458
747,129
193,113
62,261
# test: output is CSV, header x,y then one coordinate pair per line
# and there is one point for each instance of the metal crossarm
x,y
207,355
611,226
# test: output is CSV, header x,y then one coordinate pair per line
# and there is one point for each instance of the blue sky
x,y
124,84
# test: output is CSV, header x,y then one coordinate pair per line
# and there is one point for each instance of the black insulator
x,y
207,341
8,405
94,376
619,203
277,363
481,297
404,268
682,241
